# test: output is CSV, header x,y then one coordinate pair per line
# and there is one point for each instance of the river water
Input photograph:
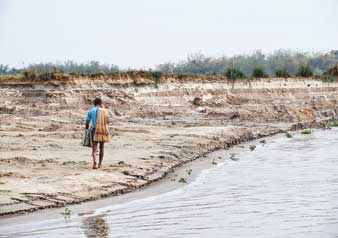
x,y
287,187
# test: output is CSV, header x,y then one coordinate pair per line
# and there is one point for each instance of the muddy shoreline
x,y
155,130
167,184
205,150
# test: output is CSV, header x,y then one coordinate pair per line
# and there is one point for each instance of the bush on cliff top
x,y
258,73
233,73
330,75
282,73
32,75
305,71
333,71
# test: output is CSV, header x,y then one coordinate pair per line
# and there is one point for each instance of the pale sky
x,y
143,33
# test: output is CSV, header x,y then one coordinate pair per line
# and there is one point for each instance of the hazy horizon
x,y
144,33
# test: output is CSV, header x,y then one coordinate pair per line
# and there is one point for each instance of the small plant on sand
x,y
189,171
262,141
306,132
233,157
182,180
214,162
252,147
67,211
288,135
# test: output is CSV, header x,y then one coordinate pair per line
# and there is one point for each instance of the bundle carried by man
x,y
101,131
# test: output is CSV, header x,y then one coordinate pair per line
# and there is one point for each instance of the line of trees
x,y
282,63
258,72
68,67
6,70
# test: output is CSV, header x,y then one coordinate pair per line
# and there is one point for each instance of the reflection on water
x,y
284,188
95,227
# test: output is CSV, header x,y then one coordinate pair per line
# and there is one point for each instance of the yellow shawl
x,y
101,130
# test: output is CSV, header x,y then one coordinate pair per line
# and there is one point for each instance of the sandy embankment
x,y
155,129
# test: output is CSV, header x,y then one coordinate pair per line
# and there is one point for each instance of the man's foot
x,y
99,165
100,160
94,165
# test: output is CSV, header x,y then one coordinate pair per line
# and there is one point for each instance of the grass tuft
x,y
306,132
182,180
333,123
67,211
288,135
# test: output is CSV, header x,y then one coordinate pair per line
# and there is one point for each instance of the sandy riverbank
x,y
155,128
188,171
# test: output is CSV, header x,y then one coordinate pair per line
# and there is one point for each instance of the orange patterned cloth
x,y
101,129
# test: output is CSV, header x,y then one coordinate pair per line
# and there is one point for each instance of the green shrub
x,y
29,74
233,73
330,75
328,78
97,74
282,73
180,76
49,76
156,76
306,132
305,71
259,73
288,135
332,71
182,180
333,123
57,70
317,72
75,74
67,211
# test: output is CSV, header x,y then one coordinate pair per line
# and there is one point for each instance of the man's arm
x,y
88,120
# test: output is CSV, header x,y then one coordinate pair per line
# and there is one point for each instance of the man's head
x,y
97,102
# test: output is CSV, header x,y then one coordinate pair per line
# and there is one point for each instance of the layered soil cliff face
x,y
155,128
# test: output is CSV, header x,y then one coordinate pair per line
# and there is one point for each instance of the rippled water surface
x,y
285,188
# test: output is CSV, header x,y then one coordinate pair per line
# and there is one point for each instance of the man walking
x,y
99,132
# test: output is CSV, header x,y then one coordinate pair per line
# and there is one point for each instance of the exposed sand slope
x,y
155,129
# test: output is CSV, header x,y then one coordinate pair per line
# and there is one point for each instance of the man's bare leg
x,y
101,153
94,155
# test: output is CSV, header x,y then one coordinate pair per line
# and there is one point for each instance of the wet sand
x,y
167,184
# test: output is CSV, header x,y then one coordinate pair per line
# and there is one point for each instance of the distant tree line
x,y
68,67
6,70
281,63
